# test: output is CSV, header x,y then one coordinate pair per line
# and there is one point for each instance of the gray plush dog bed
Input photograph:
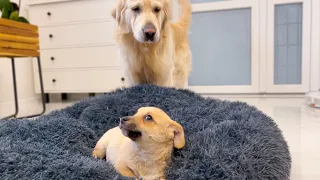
x,y
224,140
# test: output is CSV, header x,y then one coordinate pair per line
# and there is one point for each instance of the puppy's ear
x,y
176,132
118,13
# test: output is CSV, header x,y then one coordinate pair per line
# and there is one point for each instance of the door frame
x,y
255,27
306,46
315,47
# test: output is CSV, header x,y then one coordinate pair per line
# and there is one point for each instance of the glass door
x,y
224,40
288,46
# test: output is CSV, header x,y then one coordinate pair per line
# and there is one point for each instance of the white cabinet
x,y
75,35
79,80
50,13
80,57
78,51
255,46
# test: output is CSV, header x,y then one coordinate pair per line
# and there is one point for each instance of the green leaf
x,y
14,16
5,13
15,6
3,3
24,20
6,4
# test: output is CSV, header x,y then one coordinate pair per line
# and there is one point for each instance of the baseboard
x,y
27,106
255,95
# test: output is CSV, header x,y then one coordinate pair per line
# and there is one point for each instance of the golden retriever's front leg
x,y
166,81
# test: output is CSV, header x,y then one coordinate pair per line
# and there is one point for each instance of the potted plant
x,y
10,10
18,38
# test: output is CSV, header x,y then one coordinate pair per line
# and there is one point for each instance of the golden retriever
x,y
141,146
153,49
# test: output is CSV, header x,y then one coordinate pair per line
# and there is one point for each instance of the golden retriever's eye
x,y
148,118
156,9
136,9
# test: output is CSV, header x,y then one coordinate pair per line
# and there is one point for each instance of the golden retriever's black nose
x,y
149,31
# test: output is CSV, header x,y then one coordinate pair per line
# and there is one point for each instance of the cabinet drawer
x,y
99,33
88,57
100,80
69,12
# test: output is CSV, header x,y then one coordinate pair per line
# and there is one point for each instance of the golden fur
x,y
145,156
167,60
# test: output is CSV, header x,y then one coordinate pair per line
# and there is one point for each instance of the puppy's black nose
x,y
149,31
125,118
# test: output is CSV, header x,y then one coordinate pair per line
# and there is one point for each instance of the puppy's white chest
x,y
112,152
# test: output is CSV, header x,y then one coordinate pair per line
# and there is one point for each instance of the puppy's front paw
x,y
94,156
98,154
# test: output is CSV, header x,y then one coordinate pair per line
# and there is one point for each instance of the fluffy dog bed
x,y
224,140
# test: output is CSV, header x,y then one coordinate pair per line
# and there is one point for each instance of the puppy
x,y
141,146
152,49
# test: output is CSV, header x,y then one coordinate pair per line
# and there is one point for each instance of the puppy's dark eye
x,y
136,9
148,118
156,9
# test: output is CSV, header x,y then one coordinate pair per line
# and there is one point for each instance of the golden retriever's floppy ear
x,y
176,132
167,12
114,13
118,13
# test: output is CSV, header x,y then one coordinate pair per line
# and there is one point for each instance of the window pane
x,y
205,1
288,44
221,48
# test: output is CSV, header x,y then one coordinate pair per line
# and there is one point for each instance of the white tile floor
x,y
300,125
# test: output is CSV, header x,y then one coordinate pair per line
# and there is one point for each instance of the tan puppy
x,y
141,146
152,49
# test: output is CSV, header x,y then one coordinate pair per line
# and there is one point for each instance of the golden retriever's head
x,y
144,18
151,125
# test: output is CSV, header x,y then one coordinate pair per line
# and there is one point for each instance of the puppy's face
x,y
143,18
152,125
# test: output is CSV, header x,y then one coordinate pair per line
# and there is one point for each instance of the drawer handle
x,y
54,80
50,36
52,58
122,79
49,13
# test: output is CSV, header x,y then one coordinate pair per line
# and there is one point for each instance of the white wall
x,y
24,71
